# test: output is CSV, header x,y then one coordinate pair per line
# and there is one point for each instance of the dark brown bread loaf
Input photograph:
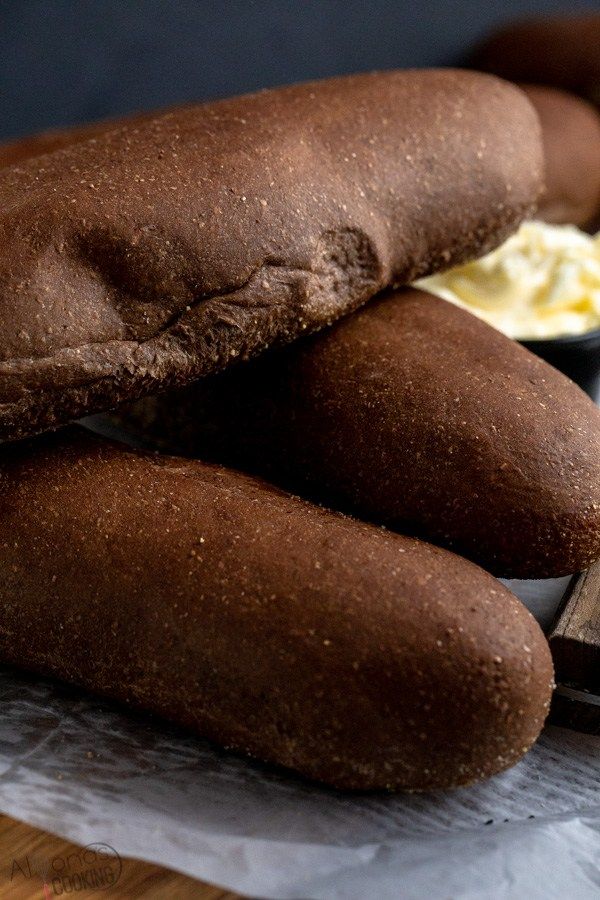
x,y
571,135
562,51
21,149
350,654
415,414
152,254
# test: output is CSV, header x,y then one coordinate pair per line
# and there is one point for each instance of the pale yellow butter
x,y
543,282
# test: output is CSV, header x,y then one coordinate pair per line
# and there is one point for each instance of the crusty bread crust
x,y
149,255
415,414
561,51
571,135
350,654
21,149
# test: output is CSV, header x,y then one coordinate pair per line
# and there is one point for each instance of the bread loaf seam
x,y
162,250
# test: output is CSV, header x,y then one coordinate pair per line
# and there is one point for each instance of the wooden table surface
x,y
27,853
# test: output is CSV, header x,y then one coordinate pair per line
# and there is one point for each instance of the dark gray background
x,y
67,61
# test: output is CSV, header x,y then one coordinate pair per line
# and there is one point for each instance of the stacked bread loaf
x,y
146,255
413,414
562,51
557,60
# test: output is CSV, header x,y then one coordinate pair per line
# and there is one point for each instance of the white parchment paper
x,y
92,772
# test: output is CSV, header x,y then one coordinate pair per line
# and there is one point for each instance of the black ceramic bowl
x,y
578,356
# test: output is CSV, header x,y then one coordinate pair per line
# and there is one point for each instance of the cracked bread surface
x,y
159,251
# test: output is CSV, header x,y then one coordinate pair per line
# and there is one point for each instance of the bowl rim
x,y
565,340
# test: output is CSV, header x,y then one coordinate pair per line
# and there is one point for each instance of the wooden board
x,y
575,644
26,853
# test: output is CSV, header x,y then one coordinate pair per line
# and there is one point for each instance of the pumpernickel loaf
x,y
561,51
415,414
149,255
571,136
32,145
353,655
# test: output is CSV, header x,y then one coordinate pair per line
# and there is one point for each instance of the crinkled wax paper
x,y
89,771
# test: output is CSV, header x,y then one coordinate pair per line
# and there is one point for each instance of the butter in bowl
x,y
542,288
